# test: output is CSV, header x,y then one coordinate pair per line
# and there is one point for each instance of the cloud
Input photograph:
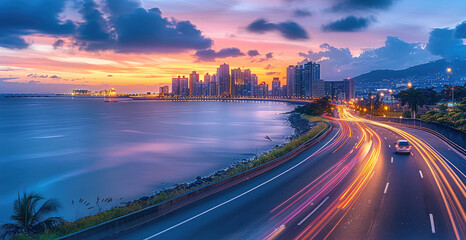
x,y
253,53
442,42
290,30
339,63
302,13
131,28
21,18
350,5
272,73
55,76
460,30
109,75
122,26
267,57
209,55
348,24
58,44
268,67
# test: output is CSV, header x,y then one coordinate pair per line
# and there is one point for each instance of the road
x,y
350,185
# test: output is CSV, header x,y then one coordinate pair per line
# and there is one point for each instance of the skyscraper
x,y
223,80
276,87
306,81
207,78
193,77
237,79
291,80
180,86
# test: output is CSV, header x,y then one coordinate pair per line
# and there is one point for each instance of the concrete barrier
x,y
124,223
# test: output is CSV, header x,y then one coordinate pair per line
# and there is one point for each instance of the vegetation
x,y
30,218
317,108
414,98
455,117
89,221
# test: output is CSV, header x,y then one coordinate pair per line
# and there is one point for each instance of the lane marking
x,y
412,154
392,160
432,225
386,188
385,138
242,194
313,211
420,173
389,146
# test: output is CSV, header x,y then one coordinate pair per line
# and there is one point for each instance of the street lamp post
x,y
372,108
449,71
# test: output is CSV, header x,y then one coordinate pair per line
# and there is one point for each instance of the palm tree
x,y
29,217
414,98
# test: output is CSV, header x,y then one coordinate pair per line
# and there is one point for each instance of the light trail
x,y
445,178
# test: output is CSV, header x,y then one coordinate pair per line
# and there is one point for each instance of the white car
x,y
403,147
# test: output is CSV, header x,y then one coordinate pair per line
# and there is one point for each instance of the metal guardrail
x,y
454,137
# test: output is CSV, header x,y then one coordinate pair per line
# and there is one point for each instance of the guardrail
x,y
454,137
124,223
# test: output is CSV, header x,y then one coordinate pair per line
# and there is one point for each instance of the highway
x,y
350,185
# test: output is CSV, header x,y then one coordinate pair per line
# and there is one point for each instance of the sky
x,y
137,46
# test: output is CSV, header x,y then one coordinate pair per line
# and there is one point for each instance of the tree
x,y
414,98
28,217
316,108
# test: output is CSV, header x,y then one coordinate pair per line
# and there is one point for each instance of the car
x,y
403,147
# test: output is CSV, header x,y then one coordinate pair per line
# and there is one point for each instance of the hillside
x,y
432,68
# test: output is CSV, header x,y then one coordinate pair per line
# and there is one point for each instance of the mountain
x,y
427,70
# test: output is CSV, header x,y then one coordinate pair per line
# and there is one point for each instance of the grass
x,y
89,221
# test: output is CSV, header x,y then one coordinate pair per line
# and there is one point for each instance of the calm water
x,y
83,148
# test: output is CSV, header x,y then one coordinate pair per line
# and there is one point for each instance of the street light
x,y
452,87
382,94
410,85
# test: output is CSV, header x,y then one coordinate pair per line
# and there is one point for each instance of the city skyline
x,y
74,46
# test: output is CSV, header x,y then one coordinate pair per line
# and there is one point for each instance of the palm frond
x,y
10,229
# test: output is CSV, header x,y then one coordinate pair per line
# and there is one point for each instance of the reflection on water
x,y
83,148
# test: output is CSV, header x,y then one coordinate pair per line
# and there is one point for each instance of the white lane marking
x,y
432,225
386,188
412,154
392,159
242,194
385,138
420,173
389,146
313,211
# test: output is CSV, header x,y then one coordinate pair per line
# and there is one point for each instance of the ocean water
x,y
84,148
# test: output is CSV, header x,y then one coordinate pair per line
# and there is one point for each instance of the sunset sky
x,y
137,46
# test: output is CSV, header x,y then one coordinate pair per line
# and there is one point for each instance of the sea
x,y
82,150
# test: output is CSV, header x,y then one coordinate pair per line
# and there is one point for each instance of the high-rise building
x,y
306,81
163,90
193,77
247,76
261,90
276,87
223,80
291,80
207,78
340,90
254,79
180,86
237,80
